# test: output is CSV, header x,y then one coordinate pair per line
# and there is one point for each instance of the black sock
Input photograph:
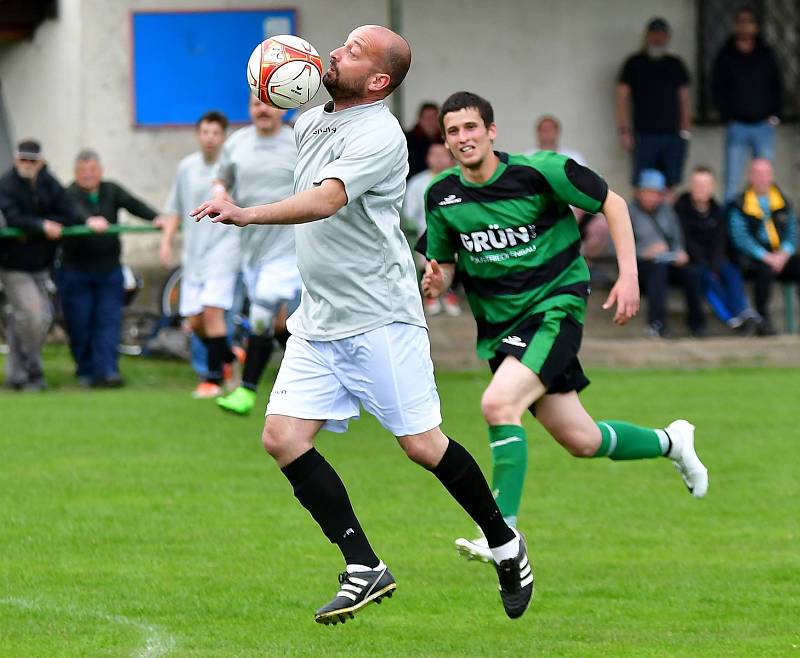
x,y
259,349
320,490
462,477
217,347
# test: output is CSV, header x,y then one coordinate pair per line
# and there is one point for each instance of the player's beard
x,y
342,90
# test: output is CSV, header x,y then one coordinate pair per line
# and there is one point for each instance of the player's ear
x,y
379,81
492,131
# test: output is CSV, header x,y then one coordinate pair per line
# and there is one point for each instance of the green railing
x,y
71,231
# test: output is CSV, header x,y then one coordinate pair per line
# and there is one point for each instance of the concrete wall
x,y
70,85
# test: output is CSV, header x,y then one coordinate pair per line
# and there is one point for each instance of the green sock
x,y
509,445
625,441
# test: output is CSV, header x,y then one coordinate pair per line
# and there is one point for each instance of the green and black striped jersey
x,y
514,238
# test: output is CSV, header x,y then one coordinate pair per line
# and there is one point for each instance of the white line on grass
x,y
157,642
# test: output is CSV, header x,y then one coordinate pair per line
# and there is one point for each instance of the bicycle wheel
x,y
171,297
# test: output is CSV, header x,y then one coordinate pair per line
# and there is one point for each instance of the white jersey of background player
x,y
359,336
209,258
257,166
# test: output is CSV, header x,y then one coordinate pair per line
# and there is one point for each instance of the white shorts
x,y
272,282
216,292
387,370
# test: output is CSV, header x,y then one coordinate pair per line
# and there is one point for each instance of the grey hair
x,y
85,155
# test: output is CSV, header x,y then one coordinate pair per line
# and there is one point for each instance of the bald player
x,y
359,336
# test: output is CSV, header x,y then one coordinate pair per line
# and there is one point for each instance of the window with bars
x,y
780,28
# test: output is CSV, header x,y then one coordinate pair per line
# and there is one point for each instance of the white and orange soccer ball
x,y
284,71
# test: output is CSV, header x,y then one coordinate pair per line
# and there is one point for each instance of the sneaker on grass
x,y
207,390
240,401
692,471
358,588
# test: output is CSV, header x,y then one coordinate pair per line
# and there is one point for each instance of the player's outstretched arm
x,y
437,278
625,293
309,205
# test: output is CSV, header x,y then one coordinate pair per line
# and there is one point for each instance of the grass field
x,y
140,522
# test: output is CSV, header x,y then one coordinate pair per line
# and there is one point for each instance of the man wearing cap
x,y
661,252
655,86
31,200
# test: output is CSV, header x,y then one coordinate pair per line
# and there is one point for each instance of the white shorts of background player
x,y
216,292
387,370
269,284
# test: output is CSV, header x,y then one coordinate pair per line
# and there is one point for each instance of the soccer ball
x,y
284,71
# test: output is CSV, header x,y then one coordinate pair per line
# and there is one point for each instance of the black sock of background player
x,y
320,490
259,349
462,477
217,347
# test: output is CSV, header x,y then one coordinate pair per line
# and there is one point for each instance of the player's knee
x,y
578,442
495,410
274,441
425,449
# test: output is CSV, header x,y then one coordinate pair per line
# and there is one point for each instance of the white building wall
x,y
70,85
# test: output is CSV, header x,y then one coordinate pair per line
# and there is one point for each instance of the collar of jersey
x,y
349,110
501,167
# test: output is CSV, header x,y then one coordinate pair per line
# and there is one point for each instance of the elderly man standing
x,y
764,230
90,281
31,200
656,86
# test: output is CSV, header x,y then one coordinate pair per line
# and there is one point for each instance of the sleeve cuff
x,y
789,248
759,253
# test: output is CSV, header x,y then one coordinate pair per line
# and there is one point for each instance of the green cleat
x,y
240,401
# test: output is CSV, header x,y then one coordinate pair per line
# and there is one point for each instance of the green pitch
x,y
140,522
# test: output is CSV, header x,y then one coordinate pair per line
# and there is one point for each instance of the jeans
x,y
667,153
656,278
724,291
741,140
92,306
30,319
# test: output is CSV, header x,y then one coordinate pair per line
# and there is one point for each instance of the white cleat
x,y
685,459
474,549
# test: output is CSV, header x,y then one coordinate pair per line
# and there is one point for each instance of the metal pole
x,y
396,24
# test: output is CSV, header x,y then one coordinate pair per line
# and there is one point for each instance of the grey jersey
x,y
209,249
258,170
357,269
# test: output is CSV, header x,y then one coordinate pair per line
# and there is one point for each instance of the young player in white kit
x,y
210,258
359,336
256,167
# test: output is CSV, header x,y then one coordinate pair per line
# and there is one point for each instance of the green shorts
x,y
548,344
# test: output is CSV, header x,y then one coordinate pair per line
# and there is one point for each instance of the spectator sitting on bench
x,y
763,228
662,256
706,236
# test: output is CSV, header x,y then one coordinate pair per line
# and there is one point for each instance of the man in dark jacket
x,y
763,228
90,282
706,237
424,133
748,93
31,200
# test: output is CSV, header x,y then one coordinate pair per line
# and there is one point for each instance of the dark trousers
x,y
764,277
92,307
667,153
656,279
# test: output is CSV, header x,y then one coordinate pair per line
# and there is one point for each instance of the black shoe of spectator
x,y
765,328
113,381
657,330
700,332
83,381
35,385
748,328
